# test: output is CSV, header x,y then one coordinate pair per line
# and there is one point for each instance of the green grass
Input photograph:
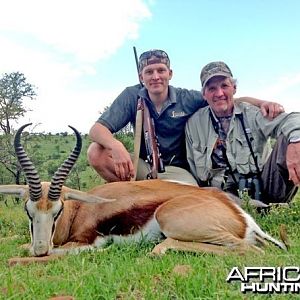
x,y
128,272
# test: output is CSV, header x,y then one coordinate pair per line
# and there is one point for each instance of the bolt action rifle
x,y
151,142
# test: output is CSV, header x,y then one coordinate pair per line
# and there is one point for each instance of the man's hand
x,y
293,162
122,162
271,110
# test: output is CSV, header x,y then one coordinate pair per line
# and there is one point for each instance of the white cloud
x,y
78,109
90,29
284,90
282,84
56,43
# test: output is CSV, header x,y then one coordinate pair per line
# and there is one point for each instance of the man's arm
x,y
102,135
268,109
189,151
120,156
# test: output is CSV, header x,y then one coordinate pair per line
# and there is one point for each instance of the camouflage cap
x,y
154,56
217,68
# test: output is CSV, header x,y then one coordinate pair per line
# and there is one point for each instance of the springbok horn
x,y
35,187
61,174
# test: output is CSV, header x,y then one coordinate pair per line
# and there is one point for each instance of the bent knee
x,y
97,154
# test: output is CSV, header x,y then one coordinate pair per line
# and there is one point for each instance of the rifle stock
x,y
137,137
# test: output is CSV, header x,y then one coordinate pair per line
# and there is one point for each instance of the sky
x,y
79,54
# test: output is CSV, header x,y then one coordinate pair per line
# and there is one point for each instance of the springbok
x,y
186,217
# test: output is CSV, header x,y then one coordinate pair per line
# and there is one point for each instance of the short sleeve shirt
x,y
169,123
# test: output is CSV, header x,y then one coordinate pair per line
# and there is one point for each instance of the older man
x,y
227,142
169,108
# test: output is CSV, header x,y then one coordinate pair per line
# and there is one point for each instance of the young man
x,y
226,142
169,107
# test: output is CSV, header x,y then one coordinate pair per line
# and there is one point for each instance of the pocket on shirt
x,y
241,141
245,162
200,155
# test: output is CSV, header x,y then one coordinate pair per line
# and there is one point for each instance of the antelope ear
x,y
14,189
85,197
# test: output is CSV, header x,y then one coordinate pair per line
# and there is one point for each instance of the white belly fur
x,y
150,232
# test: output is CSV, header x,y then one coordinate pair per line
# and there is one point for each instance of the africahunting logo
x,y
266,280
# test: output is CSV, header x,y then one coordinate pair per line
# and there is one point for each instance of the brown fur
x,y
44,204
136,203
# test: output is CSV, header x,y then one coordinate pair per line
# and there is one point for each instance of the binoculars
x,y
252,185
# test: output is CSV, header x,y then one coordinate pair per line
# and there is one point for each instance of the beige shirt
x,y
201,138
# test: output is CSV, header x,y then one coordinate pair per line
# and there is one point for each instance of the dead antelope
x,y
187,217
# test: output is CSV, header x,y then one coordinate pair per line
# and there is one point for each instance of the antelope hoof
x,y
158,250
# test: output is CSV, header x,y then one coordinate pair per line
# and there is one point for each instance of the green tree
x,y
14,89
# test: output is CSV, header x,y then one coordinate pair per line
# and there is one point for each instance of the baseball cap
x,y
154,56
217,68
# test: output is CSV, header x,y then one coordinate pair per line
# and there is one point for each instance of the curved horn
x,y
61,174
32,177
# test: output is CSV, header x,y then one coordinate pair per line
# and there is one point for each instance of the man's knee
x,y
173,173
97,155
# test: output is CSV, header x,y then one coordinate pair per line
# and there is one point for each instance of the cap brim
x,y
223,74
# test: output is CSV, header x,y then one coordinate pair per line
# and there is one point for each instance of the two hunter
x,y
165,110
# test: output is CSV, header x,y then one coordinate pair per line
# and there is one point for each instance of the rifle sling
x,y
241,118
138,136
150,142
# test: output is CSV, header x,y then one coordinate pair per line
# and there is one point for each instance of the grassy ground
x,y
128,272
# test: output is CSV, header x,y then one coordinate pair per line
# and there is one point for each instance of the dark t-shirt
x,y
169,124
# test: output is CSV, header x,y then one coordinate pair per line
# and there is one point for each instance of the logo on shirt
x,y
177,114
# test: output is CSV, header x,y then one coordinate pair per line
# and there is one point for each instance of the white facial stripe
x,y
42,223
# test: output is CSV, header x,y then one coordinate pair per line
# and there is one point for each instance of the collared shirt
x,y
201,138
169,123
219,152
